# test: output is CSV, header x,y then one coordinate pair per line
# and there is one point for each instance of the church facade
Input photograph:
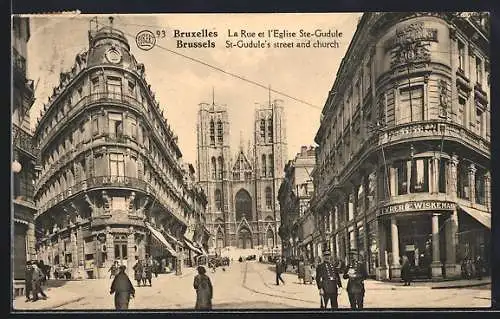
x,y
242,185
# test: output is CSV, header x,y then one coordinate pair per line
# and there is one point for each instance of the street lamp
x,y
16,166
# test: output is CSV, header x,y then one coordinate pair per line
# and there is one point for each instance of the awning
x,y
172,238
482,217
161,239
191,246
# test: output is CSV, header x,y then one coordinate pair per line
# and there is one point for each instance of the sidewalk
x,y
56,298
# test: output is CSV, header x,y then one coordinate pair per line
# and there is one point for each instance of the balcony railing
x,y
23,140
109,181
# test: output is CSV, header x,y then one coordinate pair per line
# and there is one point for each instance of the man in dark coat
x,y
356,273
279,271
148,271
36,282
138,270
405,271
328,281
204,289
122,288
28,281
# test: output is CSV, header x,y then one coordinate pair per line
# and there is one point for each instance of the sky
x,y
180,84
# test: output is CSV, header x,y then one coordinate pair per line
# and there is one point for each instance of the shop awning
x,y
161,239
173,239
482,217
192,247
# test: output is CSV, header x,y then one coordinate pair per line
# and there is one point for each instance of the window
x,y
463,181
263,129
114,85
368,72
270,130
479,121
120,243
372,181
350,207
214,168
220,165
95,85
131,88
356,94
479,71
442,175
461,111
95,126
218,200
420,176
219,132
271,164
480,187
269,197
461,56
115,124
212,132
411,104
117,164
263,163
402,177
133,128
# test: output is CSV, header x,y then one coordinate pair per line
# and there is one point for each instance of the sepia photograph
x,y
261,161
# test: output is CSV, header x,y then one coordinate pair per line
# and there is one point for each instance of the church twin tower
x,y
242,190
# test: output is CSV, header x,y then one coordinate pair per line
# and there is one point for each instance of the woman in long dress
x,y
204,290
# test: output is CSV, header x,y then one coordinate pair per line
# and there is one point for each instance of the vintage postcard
x,y
251,161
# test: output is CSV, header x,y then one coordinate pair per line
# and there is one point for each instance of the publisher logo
x,y
145,40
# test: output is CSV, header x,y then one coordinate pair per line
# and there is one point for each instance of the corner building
x,y
404,145
112,185
242,188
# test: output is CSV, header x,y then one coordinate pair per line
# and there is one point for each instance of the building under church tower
x,y
242,186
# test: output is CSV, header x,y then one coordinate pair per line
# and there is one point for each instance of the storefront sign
x,y
417,206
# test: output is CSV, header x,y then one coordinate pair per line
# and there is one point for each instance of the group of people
x,y
35,278
327,277
123,289
143,271
472,267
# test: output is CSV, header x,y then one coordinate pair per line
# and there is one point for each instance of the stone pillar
x,y
435,175
451,227
395,267
62,253
436,256
382,269
392,181
337,247
30,236
80,250
110,248
130,251
472,182
487,190
452,176
74,253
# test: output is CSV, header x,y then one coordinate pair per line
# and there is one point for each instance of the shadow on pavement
x,y
55,283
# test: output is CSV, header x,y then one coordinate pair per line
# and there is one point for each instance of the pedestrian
x,y
113,269
328,282
36,282
204,290
405,271
148,271
308,273
356,273
469,267
122,288
479,267
138,272
279,271
28,282
156,265
301,270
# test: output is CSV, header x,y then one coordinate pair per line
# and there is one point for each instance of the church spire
x,y
241,141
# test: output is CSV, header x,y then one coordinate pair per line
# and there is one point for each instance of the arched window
x,y
218,200
220,239
220,132
269,197
214,168
243,205
263,165
270,130
220,166
269,238
212,132
263,129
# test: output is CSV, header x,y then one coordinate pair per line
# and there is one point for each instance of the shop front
x,y
161,250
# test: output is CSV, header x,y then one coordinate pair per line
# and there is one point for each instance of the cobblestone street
x,y
252,285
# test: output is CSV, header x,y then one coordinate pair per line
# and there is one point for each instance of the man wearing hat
x,y
328,281
356,273
122,288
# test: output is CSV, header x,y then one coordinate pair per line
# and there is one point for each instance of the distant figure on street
x,y
138,270
328,282
279,271
204,289
356,273
148,271
122,288
405,271
113,269
301,270
156,266
36,282
28,282
479,267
